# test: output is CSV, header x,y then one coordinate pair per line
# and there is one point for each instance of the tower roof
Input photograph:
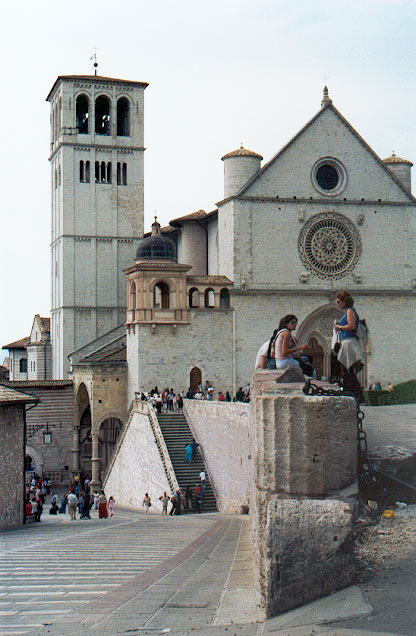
x,y
242,152
93,78
395,159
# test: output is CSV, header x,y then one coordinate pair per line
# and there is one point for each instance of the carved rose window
x,y
329,245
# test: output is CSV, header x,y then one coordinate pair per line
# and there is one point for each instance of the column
x,y
75,452
95,463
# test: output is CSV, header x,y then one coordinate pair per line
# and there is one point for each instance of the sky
x,y
220,73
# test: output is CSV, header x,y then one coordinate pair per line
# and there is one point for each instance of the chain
x,y
363,464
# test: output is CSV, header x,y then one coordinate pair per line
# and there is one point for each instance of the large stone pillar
x,y
95,464
304,451
75,452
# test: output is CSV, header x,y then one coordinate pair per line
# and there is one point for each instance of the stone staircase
x,y
177,434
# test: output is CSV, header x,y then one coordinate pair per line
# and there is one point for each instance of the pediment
x,y
327,140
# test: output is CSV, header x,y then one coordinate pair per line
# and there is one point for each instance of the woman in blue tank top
x,y
350,354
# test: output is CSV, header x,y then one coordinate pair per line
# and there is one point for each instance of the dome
x,y
242,152
156,246
395,159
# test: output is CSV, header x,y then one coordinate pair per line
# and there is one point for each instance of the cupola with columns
x,y
156,283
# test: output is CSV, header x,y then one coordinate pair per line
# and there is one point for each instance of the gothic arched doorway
x,y
195,378
315,353
107,439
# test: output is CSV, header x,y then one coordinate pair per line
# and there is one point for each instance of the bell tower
x,y
96,157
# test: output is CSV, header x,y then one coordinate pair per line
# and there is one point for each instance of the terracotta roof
x,y
199,215
394,159
115,355
45,323
163,230
210,280
10,396
242,152
94,78
18,344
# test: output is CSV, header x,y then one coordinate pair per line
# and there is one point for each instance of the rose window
x,y
329,245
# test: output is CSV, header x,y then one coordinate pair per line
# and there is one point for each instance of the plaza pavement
x,y
185,576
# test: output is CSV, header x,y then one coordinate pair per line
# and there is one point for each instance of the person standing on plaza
x,y
96,497
165,500
146,503
111,503
188,498
102,506
64,501
72,505
86,505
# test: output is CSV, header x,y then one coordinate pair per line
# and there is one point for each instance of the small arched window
x,y
102,115
133,296
209,298
161,296
23,365
123,117
224,298
82,108
193,297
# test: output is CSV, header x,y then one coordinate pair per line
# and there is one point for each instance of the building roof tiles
x,y
11,396
18,344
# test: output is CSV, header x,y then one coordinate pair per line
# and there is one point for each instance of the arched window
x,y
193,297
109,172
87,171
123,117
133,296
124,174
102,175
161,296
82,109
209,298
102,115
224,298
81,172
23,365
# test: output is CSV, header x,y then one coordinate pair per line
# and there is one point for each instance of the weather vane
x,y
94,57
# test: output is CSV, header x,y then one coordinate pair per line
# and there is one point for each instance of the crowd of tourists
x,y
170,401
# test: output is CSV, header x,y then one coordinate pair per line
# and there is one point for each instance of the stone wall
x,y
222,429
304,451
137,467
56,408
11,465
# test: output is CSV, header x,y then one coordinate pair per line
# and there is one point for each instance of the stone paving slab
x,y
348,603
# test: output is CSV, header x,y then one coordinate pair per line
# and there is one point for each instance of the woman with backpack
x,y
347,347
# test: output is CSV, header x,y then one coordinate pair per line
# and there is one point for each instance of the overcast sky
x,y
220,72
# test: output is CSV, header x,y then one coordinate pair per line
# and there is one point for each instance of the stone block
x,y
288,375
309,550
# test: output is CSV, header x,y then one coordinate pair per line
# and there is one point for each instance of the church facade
x,y
195,300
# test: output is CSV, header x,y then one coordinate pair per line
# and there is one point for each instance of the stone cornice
x,y
332,204
301,291
97,238
107,148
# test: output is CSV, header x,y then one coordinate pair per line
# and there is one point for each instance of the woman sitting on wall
x,y
285,344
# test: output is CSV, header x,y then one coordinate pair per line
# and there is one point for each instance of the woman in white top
x,y
285,344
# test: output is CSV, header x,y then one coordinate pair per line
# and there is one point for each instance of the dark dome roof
x,y
156,246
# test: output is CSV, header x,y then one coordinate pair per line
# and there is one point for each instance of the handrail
x,y
147,409
138,406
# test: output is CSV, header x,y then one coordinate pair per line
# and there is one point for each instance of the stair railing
x,y
147,409
119,442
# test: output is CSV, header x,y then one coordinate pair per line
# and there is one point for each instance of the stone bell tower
x,y
96,157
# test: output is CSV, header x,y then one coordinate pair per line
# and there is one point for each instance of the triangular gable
x,y
251,188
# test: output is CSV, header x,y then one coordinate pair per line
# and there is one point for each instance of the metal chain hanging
x,y
363,466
